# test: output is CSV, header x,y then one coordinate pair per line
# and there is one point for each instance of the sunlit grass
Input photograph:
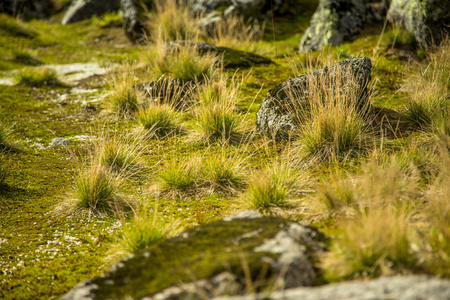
x,y
159,120
145,229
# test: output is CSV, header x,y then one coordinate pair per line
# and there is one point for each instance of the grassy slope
x,y
42,253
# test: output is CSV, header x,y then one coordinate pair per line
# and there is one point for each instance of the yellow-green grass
x,y
273,187
124,99
171,21
96,190
159,120
145,229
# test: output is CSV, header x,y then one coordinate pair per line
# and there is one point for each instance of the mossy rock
x,y
428,20
265,248
232,58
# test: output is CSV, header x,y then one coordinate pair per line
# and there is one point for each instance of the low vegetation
x,y
146,229
172,137
37,77
159,120
124,99
96,191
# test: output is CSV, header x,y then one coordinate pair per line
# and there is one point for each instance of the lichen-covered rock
x,y
276,118
213,260
428,20
232,58
334,22
27,8
395,288
243,8
202,7
132,22
84,9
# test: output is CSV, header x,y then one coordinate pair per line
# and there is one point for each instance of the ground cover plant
x,y
168,136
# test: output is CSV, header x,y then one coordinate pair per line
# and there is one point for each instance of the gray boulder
x,y
392,288
84,9
428,20
27,8
334,22
214,260
277,117
133,22
245,8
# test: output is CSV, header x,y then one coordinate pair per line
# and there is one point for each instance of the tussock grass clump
x,y
332,117
124,99
436,247
180,177
272,187
218,122
333,136
37,77
337,193
119,155
160,120
382,182
216,116
223,173
429,106
181,61
234,32
172,20
96,191
146,229
376,242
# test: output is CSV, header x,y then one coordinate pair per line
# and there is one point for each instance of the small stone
x,y
60,141
246,214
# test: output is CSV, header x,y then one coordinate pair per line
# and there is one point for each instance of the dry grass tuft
x,y
173,21
332,118
429,107
146,229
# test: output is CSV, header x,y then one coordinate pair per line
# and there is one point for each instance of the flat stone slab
x,y
386,288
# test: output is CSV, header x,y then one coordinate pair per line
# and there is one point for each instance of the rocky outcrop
x,y
213,260
277,119
27,8
84,9
395,288
334,22
211,12
428,20
232,58
132,22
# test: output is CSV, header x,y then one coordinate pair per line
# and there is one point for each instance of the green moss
x,y
239,59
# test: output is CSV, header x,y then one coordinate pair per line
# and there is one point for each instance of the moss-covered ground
x,y
44,251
